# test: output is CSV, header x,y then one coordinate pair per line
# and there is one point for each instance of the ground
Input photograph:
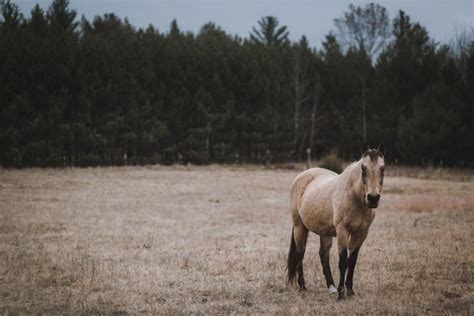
x,y
214,239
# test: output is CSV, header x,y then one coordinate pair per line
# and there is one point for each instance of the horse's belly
x,y
318,221
325,230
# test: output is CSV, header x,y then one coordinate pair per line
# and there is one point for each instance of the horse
x,y
335,205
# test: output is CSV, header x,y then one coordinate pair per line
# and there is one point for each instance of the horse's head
x,y
372,169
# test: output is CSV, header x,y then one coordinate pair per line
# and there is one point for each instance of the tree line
x,y
103,92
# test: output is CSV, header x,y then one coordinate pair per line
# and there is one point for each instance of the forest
x,y
75,92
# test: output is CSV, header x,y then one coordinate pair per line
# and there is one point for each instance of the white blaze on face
x,y
376,176
372,175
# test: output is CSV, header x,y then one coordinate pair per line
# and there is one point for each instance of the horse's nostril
x,y
373,197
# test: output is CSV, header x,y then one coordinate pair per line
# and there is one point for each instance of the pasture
x,y
215,239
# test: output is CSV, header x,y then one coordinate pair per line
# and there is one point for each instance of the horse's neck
x,y
350,181
351,175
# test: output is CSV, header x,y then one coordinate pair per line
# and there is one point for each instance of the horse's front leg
x,y
354,245
342,245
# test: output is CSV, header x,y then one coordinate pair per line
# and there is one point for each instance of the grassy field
x,y
215,240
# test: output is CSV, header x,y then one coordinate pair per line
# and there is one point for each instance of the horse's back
x,y
300,183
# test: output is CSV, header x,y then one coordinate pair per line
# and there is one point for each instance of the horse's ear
x,y
365,149
381,149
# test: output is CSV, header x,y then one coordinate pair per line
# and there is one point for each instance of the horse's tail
x,y
293,259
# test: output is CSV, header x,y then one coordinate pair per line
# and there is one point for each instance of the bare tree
x,y
463,39
461,44
300,85
367,28
317,88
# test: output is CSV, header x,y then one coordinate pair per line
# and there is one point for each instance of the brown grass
x,y
432,173
444,202
213,240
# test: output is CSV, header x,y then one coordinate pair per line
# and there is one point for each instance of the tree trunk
x,y
364,124
296,127
297,88
300,85
73,147
313,117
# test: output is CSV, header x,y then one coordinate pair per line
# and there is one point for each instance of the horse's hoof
x,y
332,289
302,288
340,295
350,292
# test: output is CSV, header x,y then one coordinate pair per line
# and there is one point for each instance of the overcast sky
x,y
311,18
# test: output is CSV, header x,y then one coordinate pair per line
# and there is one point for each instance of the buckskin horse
x,y
335,205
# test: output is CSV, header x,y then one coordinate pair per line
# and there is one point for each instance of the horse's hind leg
x,y
301,238
324,252
296,255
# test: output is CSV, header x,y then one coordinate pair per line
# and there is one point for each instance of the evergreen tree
x,y
269,33
80,92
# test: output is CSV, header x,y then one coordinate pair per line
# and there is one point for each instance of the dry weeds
x,y
214,240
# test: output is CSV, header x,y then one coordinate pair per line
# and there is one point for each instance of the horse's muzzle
x,y
372,205
373,200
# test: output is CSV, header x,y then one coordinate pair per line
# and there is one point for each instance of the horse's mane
x,y
350,175
350,167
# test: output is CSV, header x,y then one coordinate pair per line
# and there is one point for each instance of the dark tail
x,y
293,259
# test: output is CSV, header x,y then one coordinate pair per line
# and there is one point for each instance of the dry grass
x,y
432,173
444,202
214,240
